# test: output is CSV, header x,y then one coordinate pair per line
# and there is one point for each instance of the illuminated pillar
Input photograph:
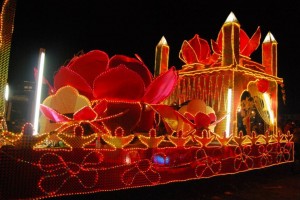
x,y
38,92
269,54
231,41
161,57
7,16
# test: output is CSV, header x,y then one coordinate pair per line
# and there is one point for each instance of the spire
x,y
269,38
231,18
231,41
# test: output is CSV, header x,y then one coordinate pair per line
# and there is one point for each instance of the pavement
x,y
274,183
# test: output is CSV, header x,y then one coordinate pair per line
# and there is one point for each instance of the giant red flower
x,y
124,82
119,78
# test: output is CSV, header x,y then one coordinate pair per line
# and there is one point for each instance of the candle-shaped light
x,y
38,91
231,41
269,54
228,117
6,92
161,57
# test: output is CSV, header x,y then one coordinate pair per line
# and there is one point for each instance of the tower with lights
x,y
241,91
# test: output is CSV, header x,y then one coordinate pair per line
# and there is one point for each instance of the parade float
x,y
108,123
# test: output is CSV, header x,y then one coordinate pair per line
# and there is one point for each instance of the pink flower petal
x,y
86,113
90,65
65,77
119,83
161,87
53,115
133,64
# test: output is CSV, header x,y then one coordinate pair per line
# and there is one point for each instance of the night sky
x,y
65,28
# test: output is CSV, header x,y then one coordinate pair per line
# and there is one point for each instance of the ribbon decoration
x,y
60,173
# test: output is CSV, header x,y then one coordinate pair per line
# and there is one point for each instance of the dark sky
x,y
128,27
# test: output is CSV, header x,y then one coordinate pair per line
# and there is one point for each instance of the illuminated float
x,y
109,124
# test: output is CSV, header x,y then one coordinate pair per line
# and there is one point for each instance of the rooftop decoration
x,y
109,124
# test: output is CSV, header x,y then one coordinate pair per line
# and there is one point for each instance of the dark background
x,y
65,28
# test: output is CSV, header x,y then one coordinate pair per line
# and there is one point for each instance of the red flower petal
x,y
161,87
52,115
90,65
202,120
253,43
133,64
244,40
65,77
215,47
204,51
86,113
119,83
187,53
196,45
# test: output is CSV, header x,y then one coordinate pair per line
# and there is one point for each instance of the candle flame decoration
x,y
39,91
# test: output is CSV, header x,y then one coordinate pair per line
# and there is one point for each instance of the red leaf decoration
x,y
86,113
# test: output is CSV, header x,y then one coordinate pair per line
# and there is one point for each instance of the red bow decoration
x,y
59,172
141,171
